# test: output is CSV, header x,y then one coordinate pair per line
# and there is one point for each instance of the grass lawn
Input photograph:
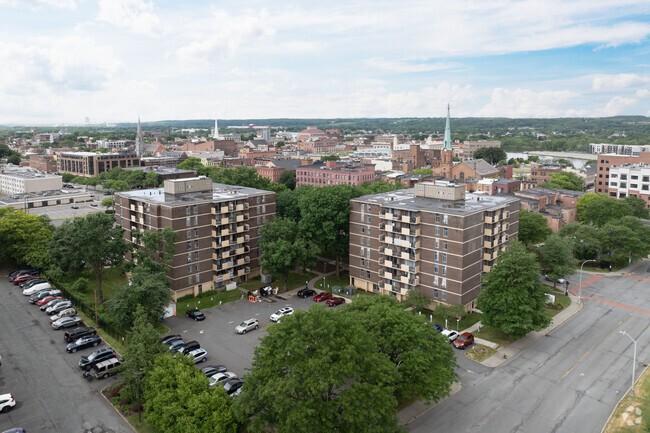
x,y
333,280
468,321
141,428
494,335
112,282
640,400
480,352
207,300
115,344
295,280
564,301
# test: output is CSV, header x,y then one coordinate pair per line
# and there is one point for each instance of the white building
x,y
23,181
617,149
630,180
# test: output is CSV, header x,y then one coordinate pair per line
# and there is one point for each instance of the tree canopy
x,y
333,363
603,209
557,257
490,154
533,228
512,298
565,180
23,236
583,201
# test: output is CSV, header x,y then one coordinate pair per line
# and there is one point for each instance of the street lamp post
x,y
633,359
137,374
580,286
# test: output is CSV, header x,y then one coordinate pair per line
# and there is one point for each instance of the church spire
x,y
447,142
139,141
216,130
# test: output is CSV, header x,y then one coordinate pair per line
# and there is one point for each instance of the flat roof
x,y
29,174
406,199
220,193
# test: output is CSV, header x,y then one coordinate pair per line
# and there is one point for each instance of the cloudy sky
x,y
112,60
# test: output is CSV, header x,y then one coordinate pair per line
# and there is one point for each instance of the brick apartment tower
x,y
434,238
218,228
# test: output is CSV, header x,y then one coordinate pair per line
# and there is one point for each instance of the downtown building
x,y
630,180
218,229
434,238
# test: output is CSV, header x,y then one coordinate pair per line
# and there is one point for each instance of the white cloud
x,y
618,81
527,103
36,5
617,105
226,34
137,16
402,66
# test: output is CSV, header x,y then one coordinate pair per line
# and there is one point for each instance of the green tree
x,y
604,209
93,240
178,399
14,159
140,353
583,201
625,239
23,237
325,213
108,202
288,179
135,178
557,257
151,180
370,352
490,154
450,312
512,298
565,180
67,177
191,163
417,300
422,171
532,228
330,157
585,239
638,207
284,248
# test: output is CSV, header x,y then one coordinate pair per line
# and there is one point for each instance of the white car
x,y
198,355
451,335
66,322
221,378
58,307
7,401
247,325
65,313
285,311
36,288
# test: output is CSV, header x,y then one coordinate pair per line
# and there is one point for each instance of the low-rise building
x,y
335,173
43,163
541,172
218,229
630,180
90,164
26,181
558,206
605,162
434,238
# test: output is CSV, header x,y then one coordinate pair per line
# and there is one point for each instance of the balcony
x,y
410,219
387,287
387,216
390,252
247,238
241,207
488,244
240,240
407,256
240,251
404,280
389,275
486,268
239,218
240,229
489,256
242,261
387,227
489,232
491,219
223,209
224,232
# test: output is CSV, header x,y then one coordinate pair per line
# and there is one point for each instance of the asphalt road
x,y
51,394
568,382
217,336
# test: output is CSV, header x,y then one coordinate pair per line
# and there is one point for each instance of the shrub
x,y
56,274
136,408
82,285
115,390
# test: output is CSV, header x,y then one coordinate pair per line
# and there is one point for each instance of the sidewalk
x,y
419,408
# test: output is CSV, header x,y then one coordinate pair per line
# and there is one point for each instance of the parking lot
x,y
217,336
51,394
60,213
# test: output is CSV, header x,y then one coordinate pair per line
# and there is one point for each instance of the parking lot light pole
x,y
96,309
633,359
580,286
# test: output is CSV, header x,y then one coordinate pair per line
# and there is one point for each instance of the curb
x,y
455,388
101,392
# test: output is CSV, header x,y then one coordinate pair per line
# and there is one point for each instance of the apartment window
x,y
189,234
437,218
437,231
263,208
367,275
444,245
436,244
368,252
363,262
189,269
187,210
363,207
196,208
189,245
368,219
444,270
196,243
444,296
196,267
445,219
368,229
435,293
436,268
196,278
196,220
443,283
444,257
196,233
362,252
188,222
363,228
435,256
196,255
444,231
363,240
189,279
435,280
189,257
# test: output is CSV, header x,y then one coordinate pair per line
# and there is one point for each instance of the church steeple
x,y
139,141
447,142
216,130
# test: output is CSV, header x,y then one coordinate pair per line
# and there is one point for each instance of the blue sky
x,y
112,60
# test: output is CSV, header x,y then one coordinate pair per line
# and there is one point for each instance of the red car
x,y
23,278
322,296
47,299
335,301
464,340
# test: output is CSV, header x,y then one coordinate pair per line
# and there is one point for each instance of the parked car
x,y
185,348
42,294
306,293
15,430
451,335
30,283
99,355
63,313
232,385
52,303
74,206
198,355
48,301
7,401
16,274
103,369
93,204
29,291
195,314
335,301
211,370
22,278
77,333
169,338
284,311
247,325
175,344
559,280
221,378
438,327
464,340
322,296
67,322
84,342
58,307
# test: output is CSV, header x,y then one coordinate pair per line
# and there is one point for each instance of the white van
x,y
36,288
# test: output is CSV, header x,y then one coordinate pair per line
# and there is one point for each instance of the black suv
x,y
77,333
186,348
195,314
99,355
306,293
